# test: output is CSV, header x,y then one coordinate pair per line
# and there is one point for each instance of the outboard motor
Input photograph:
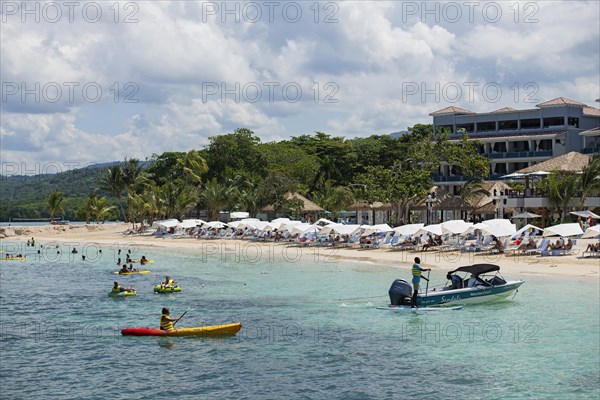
x,y
400,293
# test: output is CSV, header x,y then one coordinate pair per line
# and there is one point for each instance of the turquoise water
x,y
310,331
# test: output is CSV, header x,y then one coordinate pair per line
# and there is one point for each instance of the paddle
x,y
180,317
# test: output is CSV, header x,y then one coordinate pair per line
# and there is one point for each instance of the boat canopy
x,y
477,269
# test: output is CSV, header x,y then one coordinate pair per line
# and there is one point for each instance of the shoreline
x,y
564,267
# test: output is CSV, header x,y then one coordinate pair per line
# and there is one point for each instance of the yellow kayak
x,y
226,329
13,258
142,272
147,261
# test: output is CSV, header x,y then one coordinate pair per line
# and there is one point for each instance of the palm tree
x,y
101,209
114,183
216,196
334,198
193,165
134,176
589,180
471,189
55,204
561,190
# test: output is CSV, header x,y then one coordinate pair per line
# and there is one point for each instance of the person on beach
x,y
416,279
168,283
166,322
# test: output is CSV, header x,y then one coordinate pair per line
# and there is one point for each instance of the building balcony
x,y
592,150
518,154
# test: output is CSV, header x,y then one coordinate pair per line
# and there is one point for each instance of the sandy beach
x,y
256,252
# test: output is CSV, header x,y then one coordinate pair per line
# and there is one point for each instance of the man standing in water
x,y
416,279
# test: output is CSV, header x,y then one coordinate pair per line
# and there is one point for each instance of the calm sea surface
x,y
311,331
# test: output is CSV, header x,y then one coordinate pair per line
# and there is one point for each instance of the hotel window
x,y
573,121
554,121
507,125
530,123
486,126
465,128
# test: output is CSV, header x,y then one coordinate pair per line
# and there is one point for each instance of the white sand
x,y
573,266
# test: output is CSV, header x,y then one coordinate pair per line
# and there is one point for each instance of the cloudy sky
x,y
100,81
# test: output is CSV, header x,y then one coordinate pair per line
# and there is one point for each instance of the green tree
x,y
135,178
101,209
334,198
216,197
234,154
193,165
471,189
56,203
589,180
561,190
113,181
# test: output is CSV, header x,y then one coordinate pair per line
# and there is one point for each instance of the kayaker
x,y
131,269
123,269
119,261
166,322
74,251
143,260
416,279
168,283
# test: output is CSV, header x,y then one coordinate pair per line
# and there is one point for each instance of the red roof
x,y
451,110
561,101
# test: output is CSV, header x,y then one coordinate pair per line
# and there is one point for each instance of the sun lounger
x,y
558,252
541,248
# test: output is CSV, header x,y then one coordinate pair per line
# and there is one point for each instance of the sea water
x,y
310,331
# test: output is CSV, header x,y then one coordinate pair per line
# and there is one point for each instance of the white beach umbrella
x,y
592,232
166,223
303,229
435,229
525,215
215,224
408,230
239,215
524,229
190,223
514,175
235,224
563,230
456,227
324,221
586,214
339,228
499,230
371,229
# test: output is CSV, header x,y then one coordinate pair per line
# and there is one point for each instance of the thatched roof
x,y
483,200
444,201
363,205
309,206
570,162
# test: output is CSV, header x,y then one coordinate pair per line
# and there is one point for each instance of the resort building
x,y
516,139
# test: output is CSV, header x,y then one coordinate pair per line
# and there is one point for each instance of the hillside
x,y
26,196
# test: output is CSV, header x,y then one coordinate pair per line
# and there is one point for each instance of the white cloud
x,y
371,54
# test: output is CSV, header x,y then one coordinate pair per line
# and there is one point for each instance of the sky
x,y
98,81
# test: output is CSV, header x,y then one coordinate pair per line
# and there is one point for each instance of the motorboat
x,y
477,283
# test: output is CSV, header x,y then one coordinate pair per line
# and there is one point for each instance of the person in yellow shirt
x,y
166,322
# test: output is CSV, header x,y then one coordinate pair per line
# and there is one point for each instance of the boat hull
x,y
226,329
475,295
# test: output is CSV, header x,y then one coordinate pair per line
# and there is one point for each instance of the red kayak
x,y
227,329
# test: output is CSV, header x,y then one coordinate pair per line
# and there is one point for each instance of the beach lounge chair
x,y
558,252
541,248
477,246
